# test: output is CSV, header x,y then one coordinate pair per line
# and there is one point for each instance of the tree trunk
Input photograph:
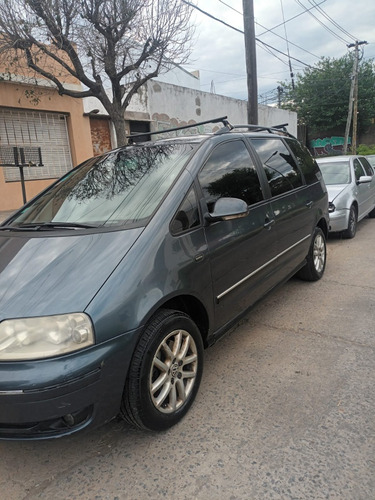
x,y
119,124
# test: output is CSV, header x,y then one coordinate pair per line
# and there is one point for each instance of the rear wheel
x,y
316,258
352,224
165,372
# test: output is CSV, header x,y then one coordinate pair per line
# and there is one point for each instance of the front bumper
x,y
57,397
338,220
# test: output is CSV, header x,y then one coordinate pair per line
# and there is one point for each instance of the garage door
x,y
32,128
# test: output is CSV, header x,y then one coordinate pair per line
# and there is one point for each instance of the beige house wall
x,y
14,95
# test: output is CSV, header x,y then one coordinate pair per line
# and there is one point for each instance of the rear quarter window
x,y
282,172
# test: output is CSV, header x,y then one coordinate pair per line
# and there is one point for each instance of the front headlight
x,y
44,337
331,207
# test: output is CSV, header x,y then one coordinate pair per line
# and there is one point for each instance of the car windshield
x,y
337,172
124,187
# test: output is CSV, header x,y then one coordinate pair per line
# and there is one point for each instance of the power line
x,y
321,23
290,43
230,7
283,53
269,48
276,34
269,51
214,71
291,19
241,31
212,17
330,19
267,30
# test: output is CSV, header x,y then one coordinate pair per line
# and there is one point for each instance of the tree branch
x,y
60,87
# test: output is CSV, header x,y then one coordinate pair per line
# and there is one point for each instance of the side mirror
x,y
227,209
364,178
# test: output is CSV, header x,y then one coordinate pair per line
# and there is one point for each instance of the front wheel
x,y
316,258
165,372
352,224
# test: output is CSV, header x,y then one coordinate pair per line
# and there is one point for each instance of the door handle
x,y
269,224
309,204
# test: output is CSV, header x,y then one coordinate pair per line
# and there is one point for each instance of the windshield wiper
x,y
41,226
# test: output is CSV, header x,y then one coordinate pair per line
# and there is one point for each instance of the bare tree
x,y
111,46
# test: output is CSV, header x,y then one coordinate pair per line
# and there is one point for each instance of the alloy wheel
x,y
319,253
173,371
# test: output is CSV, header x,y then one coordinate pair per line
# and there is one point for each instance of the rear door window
x,y
281,170
367,167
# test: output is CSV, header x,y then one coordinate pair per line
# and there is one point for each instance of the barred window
x,y
25,128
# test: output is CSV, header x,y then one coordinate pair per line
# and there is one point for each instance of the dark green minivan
x,y
115,278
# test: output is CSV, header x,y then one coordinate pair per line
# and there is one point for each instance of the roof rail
x,y
222,119
259,128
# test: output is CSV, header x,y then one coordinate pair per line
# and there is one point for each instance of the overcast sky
x,y
219,51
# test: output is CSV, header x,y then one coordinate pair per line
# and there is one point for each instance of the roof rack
x,y
259,128
224,130
222,119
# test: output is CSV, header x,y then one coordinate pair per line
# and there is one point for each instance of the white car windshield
x,y
337,172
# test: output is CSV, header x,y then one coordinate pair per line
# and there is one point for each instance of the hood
x,y
44,275
335,189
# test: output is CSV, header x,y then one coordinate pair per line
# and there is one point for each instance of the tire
x,y
316,258
349,233
165,372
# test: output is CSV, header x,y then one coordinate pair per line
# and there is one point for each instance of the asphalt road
x,y
285,409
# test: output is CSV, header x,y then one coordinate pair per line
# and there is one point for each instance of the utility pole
x,y
251,62
353,101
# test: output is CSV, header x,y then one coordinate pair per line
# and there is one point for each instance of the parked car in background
x,y
115,278
351,191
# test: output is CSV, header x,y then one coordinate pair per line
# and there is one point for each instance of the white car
x,y
350,181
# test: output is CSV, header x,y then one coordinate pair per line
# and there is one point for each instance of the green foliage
x,y
321,94
364,149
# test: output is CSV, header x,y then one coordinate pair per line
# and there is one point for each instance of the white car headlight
x,y
44,337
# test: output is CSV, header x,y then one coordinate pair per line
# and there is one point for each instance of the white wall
x,y
167,106
179,76
170,106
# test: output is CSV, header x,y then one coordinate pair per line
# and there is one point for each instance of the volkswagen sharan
x,y
115,278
